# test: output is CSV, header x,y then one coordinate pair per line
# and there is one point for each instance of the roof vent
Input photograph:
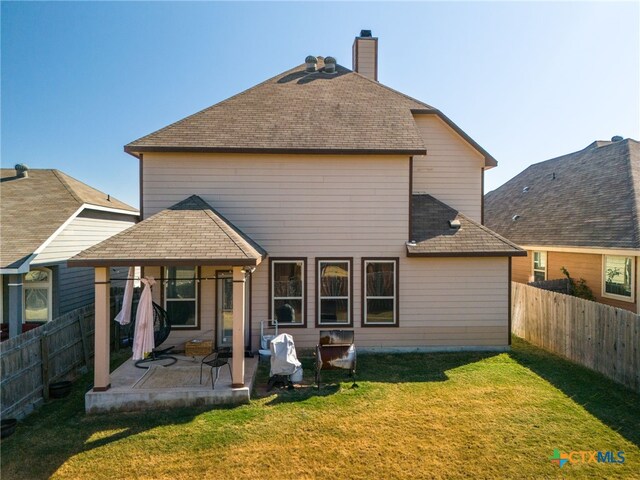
x,y
365,33
411,243
310,62
515,218
329,65
617,138
454,223
22,171
525,189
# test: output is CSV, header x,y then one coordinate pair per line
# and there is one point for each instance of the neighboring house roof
x,y
34,208
301,112
188,233
588,198
434,236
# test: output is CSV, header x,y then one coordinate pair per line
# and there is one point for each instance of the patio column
x,y
101,380
237,360
15,304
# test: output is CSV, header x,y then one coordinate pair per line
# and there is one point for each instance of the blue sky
x,y
528,81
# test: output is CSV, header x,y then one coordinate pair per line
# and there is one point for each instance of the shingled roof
x,y
34,207
300,112
188,233
433,236
588,198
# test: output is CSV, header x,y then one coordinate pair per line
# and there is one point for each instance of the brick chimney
x,y
365,55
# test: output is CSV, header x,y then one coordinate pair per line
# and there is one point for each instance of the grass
x,y
452,415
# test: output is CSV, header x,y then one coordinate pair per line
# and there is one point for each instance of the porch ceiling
x,y
188,233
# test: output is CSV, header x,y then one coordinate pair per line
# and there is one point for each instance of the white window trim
x,y
320,297
301,298
197,300
394,297
613,296
38,285
533,268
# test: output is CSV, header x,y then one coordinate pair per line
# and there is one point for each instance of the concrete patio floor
x,y
177,385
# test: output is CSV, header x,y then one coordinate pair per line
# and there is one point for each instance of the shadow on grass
x,y
374,368
615,405
60,429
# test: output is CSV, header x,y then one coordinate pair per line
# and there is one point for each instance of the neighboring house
x,y
46,217
324,200
578,211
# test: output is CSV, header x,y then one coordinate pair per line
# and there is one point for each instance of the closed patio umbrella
x,y
143,342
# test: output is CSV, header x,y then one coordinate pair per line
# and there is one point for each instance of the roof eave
x,y
515,253
164,262
137,150
489,161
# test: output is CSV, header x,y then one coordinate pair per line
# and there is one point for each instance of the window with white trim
x,y
539,266
618,277
380,292
288,291
334,292
37,295
181,296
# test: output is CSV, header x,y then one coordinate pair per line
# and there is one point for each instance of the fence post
x,y
44,354
83,337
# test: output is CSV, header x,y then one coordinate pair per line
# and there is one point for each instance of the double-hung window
x,y
181,296
380,292
288,289
618,277
334,287
37,295
539,266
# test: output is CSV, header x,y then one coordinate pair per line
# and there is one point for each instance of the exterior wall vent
x,y
22,171
310,63
329,65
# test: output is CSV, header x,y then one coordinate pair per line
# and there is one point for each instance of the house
x,y
322,199
579,212
47,217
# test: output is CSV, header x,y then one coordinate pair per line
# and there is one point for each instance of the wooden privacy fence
x,y
55,351
600,337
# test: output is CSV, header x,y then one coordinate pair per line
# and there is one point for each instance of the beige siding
x,y
343,206
87,229
444,302
451,171
367,58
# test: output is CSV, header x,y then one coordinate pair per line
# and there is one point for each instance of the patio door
x,y
225,309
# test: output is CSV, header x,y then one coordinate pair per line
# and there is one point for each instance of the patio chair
x,y
216,360
336,350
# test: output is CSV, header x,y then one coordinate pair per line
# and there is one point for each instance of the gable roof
x,y
434,237
588,198
299,112
33,208
189,233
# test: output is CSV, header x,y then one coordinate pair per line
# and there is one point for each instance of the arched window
x,y
37,295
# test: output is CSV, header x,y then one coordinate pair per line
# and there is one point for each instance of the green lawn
x,y
454,415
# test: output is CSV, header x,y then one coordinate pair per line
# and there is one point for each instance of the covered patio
x,y
190,233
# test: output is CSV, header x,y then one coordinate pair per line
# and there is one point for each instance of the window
x,y
37,295
380,292
539,266
288,291
181,296
618,277
334,291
